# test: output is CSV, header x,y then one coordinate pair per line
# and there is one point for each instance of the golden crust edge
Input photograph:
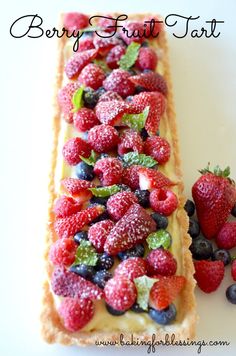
x,y
51,328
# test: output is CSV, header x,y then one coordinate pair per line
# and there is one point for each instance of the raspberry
x,y
78,61
109,96
106,22
62,252
114,56
132,229
91,76
147,59
119,82
64,99
150,81
68,284
151,178
98,233
103,138
130,176
134,32
74,186
85,43
108,170
111,112
70,225
120,293
226,237
233,270
118,204
85,119
75,21
208,274
161,262
73,149
65,206
104,44
76,313
156,27
131,268
163,201
130,141
158,148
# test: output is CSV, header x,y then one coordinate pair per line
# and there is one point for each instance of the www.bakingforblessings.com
x,y
153,342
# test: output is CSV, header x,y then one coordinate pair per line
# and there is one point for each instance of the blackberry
x,y
101,277
104,261
99,200
144,134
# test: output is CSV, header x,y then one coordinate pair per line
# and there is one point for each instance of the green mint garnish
x,y
102,65
103,192
158,239
129,58
77,99
90,160
136,121
144,285
85,254
139,159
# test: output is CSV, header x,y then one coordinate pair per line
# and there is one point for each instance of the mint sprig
x,y
158,239
143,285
85,254
129,58
136,121
139,159
103,192
77,99
91,160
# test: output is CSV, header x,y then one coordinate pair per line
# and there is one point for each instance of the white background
x,y
204,78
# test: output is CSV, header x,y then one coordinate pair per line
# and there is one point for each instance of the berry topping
x,y
231,293
134,32
151,81
201,249
75,21
158,148
104,261
114,56
189,207
147,59
150,178
119,203
233,211
78,61
155,28
103,138
85,43
109,96
65,206
137,309
130,140
62,252
84,171
194,228
161,221
131,268
84,271
85,119
108,170
73,149
161,262
143,197
226,238
65,100
82,235
130,176
101,277
233,269
107,23
119,82
111,112
120,293
98,233
104,42
75,187
209,274
163,201
91,97
114,312
91,76
137,251
221,255
165,316
160,238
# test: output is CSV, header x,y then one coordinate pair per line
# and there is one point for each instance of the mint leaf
x,y
103,192
139,159
158,239
144,285
77,99
136,121
102,65
91,160
129,58
85,254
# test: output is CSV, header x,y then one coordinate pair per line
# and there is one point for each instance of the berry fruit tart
x,y
117,255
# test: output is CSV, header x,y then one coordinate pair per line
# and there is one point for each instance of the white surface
x,y
204,79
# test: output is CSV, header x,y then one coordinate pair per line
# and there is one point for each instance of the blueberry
x,y
84,171
99,200
84,271
104,261
194,228
221,255
101,277
144,134
231,293
139,89
143,197
136,251
137,309
165,316
233,211
124,187
91,97
201,249
161,221
114,311
103,216
189,207
82,235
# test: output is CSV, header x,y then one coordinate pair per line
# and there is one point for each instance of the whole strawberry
x,y
214,194
209,274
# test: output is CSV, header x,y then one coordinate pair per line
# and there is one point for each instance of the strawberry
x,y
119,203
165,290
65,206
120,293
134,32
98,233
85,43
75,21
78,188
73,149
62,252
130,176
130,230
226,237
103,138
130,140
78,61
70,225
147,59
111,112
214,195
109,96
156,27
158,148
92,76
131,268
151,178
161,262
107,23
64,99
84,119
163,201
76,313
120,82
151,81
233,269
208,274
103,43
108,170
114,56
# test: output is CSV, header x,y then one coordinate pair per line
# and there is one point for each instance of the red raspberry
x,y
75,21
114,56
131,268
151,178
161,262
85,119
74,186
98,233
78,61
134,28
62,252
64,99
119,82
73,149
65,206
104,43
106,22
130,141
111,112
103,138
233,269
118,204
208,274
76,313
156,29
109,96
226,237
130,176
163,201
92,76
108,170
150,81
85,44
70,225
147,59
120,293
158,148
68,284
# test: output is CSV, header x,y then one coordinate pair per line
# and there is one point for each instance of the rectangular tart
x,y
103,325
